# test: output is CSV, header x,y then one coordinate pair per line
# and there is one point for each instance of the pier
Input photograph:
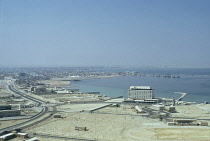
x,y
182,96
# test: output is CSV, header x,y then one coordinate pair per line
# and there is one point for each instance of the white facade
x,y
140,92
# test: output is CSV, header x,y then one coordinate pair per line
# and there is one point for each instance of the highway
x,y
38,101
17,126
30,121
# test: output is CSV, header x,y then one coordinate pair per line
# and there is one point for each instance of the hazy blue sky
x,y
105,32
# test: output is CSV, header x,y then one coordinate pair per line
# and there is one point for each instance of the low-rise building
x,y
7,137
5,107
57,116
33,139
22,135
39,90
186,122
67,91
9,113
170,108
158,107
204,123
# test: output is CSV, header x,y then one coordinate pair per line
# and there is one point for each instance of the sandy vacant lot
x,y
193,111
71,97
80,107
113,127
56,82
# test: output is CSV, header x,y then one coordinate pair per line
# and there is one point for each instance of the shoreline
x,y
192,94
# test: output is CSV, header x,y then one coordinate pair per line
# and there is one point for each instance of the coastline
x,y
164,87
67,81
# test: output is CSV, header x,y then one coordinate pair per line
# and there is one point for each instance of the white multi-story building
x,y
140,92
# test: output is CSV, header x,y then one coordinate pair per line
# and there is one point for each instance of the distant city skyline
x,y
159,33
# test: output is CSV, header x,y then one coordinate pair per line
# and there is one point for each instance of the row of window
x,y
142,97
140,92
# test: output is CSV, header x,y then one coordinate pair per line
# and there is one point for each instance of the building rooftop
x,y
141,87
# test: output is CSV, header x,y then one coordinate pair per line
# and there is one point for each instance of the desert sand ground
x,y
71,97
198,111
117,127
4,92
56,82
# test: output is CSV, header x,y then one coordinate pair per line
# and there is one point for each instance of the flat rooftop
x,y
140,87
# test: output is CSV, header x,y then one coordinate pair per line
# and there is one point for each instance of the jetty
x,y
182,96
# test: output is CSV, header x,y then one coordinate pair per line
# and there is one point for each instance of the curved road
x,y
44,111
38,101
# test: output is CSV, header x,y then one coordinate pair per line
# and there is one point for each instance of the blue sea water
x,y
194,82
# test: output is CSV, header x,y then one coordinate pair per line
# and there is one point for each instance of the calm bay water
x,y
194,82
